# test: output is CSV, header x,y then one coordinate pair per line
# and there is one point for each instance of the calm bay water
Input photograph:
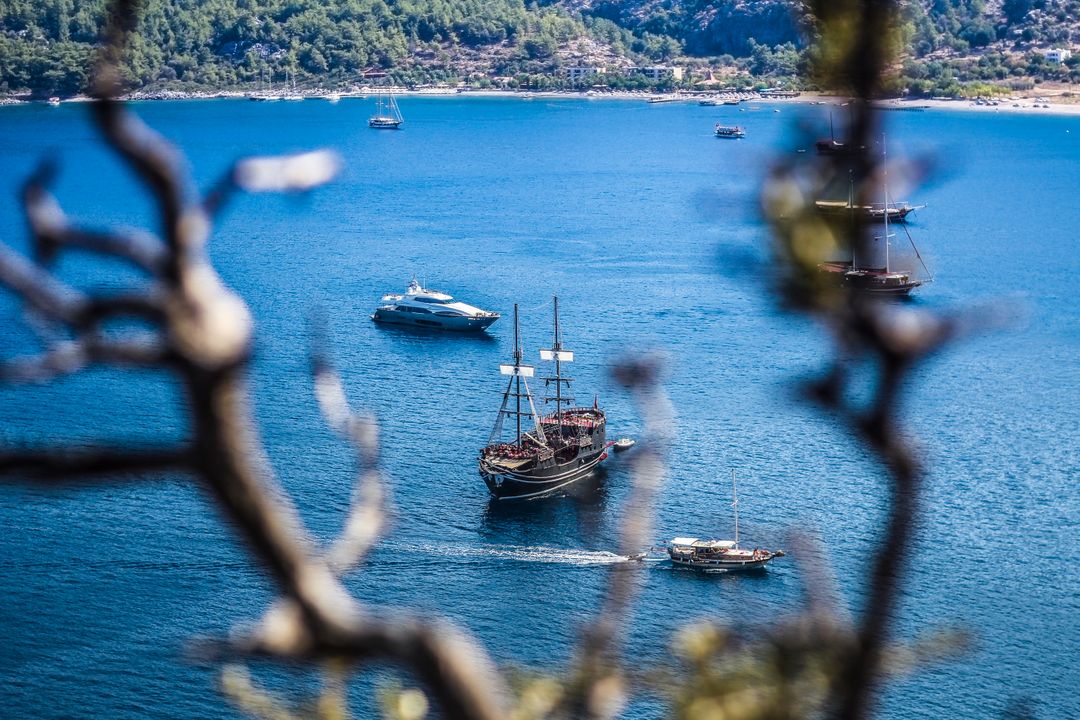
x,y
647,229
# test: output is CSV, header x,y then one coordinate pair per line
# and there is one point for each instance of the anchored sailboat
x,y
387,115
893,212
720,555
866,276
832,146
561,448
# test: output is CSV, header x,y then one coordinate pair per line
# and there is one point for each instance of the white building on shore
x,y
659,72
578,74
1057,55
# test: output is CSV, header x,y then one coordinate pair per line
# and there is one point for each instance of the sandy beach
x,y
1052,101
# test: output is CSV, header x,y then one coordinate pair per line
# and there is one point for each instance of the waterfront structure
x,y
581,73
659,72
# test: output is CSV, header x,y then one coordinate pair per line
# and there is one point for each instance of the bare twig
x,y
52,231
64,464
202,331
65,358
367,514
597,690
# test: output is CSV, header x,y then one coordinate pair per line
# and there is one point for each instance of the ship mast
x,y
857,232
559,355
519,375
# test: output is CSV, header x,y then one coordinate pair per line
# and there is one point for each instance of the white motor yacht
x,y
432,309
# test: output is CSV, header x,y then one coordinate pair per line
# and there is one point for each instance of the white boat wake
x,y
537,554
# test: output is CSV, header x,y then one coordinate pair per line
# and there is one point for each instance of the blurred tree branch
x,y
820,660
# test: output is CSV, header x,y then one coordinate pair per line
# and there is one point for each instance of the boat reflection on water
x,y
424,335
575,516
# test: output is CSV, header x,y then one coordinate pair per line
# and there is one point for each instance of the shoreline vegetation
x,y
1010,49
1047,103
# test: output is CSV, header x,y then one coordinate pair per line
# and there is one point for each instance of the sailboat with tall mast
x,y
561,448
290,92
387,114
720,555
866,275
832,146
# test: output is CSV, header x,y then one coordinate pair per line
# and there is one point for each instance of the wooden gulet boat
x,y
561,448
872,212
720,555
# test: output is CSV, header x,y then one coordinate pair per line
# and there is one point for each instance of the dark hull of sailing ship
x,y
872,282
538,471
833,147
562,447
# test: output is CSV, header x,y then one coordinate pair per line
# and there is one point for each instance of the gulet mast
x,y
517,377
735,505
885,193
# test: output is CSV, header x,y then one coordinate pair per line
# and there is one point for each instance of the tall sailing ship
x,y
559,449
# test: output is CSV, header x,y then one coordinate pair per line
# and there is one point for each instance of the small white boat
x,y
623,444
432,309
54,101
720,555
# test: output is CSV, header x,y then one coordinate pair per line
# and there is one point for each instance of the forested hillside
x,y
46,45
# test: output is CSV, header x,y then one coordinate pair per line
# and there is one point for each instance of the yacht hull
x,y
435,322
384,123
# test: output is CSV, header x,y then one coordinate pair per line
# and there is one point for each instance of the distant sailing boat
x,y
867,278
387,115
832,146
268,95
290,91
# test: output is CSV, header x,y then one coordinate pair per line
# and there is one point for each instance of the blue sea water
x,y
648,230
